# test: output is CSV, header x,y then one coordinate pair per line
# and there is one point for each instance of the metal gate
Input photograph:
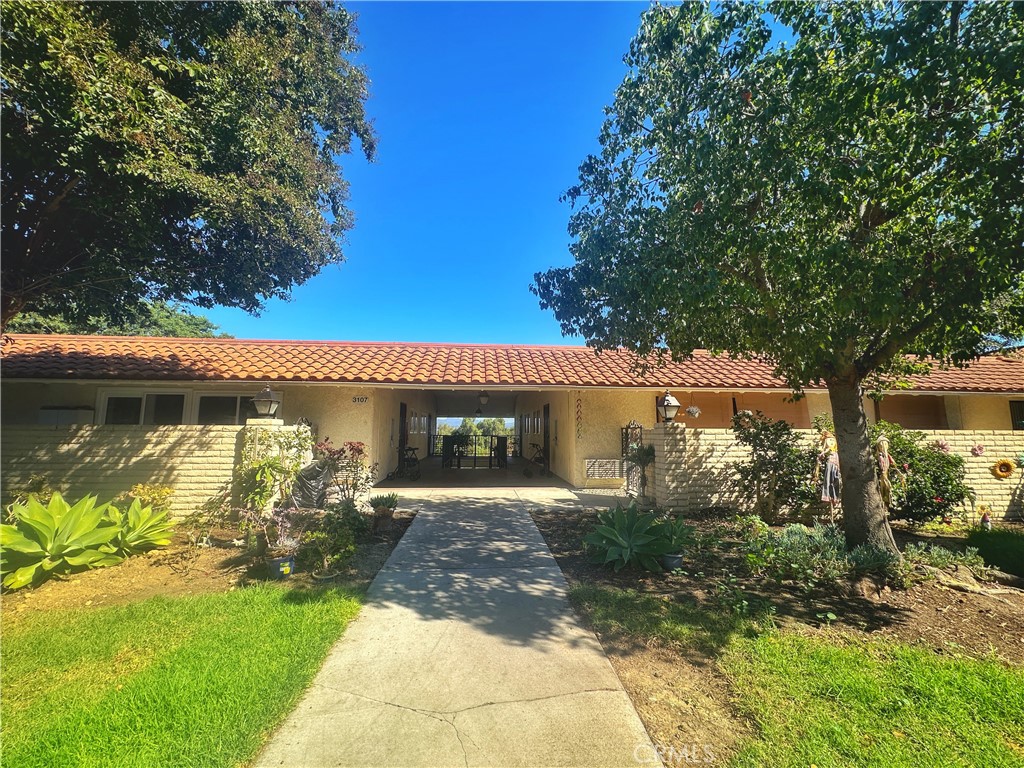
x,y
632,439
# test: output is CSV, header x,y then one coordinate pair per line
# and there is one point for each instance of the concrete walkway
x,y
467,653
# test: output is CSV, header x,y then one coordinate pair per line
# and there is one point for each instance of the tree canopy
x,y
173,150
828,186
152,318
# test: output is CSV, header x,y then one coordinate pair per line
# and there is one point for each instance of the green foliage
x,y
777,475
642,457
150,318
173,150
1000,547
262,481
18,494
730,163
132,685
806,556
679,534
935,480
56,538
868,559
140,529
331,543
935,556
827,205
353,475
385,500
624,537
152,495
347,512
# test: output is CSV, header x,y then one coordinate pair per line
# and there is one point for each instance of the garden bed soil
x,y
183,569
684,700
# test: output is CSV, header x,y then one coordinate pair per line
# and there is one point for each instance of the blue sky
x,y
484,112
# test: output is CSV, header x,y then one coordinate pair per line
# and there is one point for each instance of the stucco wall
x,y
562,429
693,467
197,461
338,412
385,433
982,411
598,417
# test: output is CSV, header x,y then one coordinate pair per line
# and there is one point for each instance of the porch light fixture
x,y
668,406
266,403
484,397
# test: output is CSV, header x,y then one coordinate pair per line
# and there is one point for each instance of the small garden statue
x,y
831,482
986,520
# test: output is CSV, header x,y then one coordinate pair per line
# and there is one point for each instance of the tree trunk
x,y
864,514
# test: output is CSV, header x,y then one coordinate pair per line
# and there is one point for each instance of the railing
x,y
463,451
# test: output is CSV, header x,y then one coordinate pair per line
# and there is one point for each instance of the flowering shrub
x,y
935,485
941,445
353,476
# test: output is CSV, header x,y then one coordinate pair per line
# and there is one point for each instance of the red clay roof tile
x,y
144,358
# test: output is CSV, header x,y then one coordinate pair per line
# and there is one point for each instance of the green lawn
x,y
830,701
197,681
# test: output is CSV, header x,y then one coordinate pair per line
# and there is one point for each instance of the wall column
x,y
670,487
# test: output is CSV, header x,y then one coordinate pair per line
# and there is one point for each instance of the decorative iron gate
x,y
632,439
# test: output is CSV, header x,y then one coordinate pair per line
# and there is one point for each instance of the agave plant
x,y
140,528
626,537
54,538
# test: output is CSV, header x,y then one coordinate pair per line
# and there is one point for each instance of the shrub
x,y
352,475
1000,547
140,528
261,481
935,485
803,555
330,543
349,513
60,537
776,477
152,495
55,538
939,557
642,457
624,537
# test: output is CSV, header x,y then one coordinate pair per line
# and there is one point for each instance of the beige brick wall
x,y
693,467
197,461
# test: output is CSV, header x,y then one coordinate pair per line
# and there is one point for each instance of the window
x,y
225,409
155,408
1017,414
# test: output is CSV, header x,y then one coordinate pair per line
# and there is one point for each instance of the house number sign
x,y
361,399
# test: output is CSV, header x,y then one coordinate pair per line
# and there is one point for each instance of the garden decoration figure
x,y
886,464
831,482
986,520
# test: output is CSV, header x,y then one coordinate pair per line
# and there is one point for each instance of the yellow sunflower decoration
x,y
1003,468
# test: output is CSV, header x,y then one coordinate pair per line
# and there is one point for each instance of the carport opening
x,y
474,442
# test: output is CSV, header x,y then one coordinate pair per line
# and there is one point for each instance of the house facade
x,y
102,413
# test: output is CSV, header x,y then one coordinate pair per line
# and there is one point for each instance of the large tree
x,y
152,318
173,150
829,186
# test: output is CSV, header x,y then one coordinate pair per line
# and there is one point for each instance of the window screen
x,y
164,409
217,409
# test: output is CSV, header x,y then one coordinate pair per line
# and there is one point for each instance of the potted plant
x,y
642,457
679,535
277,536
384,507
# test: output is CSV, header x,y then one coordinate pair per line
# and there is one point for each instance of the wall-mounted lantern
x,y
668,406
266,403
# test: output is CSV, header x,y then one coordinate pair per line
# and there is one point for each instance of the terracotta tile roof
x,y
138,358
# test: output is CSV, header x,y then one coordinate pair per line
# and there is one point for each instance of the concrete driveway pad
x,y
466,653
